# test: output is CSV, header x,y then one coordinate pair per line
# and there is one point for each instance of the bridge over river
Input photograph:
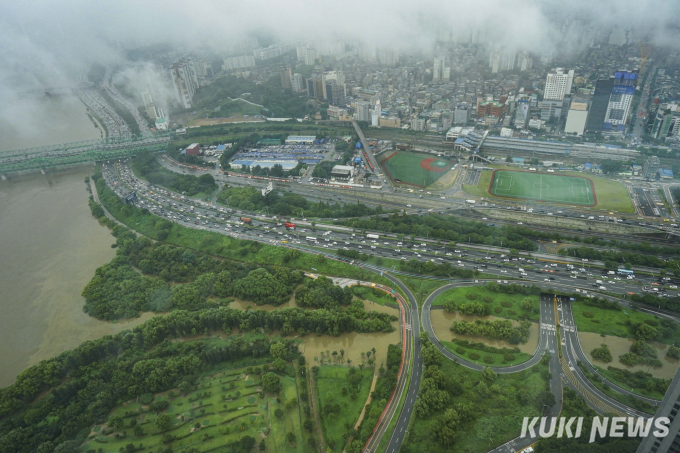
x,y
59,155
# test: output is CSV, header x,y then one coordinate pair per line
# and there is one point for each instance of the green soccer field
x,y
572,190
413,169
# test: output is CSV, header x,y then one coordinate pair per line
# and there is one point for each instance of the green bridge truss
x,y
79,152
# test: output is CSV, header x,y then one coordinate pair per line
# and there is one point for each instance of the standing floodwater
x,y
50,246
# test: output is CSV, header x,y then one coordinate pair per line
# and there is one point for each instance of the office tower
x,y
558,83
599,105
185,80
287,79
623,90
297,83
334,92
669,407
310,57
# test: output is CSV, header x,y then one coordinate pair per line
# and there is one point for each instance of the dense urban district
x,y
372,252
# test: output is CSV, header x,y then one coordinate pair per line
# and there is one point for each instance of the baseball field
x,y
573,190
414,169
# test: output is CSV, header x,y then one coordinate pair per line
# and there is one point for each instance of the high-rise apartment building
x,y
310,57
623,90
149,105
363,111
521,113
440,72
286,79
240,62
297,83
558,84
185,80
387,57
375,114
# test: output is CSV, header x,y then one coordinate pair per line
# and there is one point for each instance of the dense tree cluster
x,y
437,388
640,379
322,293
602,354
146,166
275,101
288,203
118,291
494,330
81,386
666,303
641,353
444,227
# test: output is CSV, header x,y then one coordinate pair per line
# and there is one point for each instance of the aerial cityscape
x,y
314,227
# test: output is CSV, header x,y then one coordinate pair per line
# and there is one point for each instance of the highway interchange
x,y
491,264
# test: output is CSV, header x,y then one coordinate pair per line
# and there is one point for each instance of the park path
x,y
315,410
368,401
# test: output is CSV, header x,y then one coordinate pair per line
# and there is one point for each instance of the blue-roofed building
x,y
518,160
665,173
588,167
221,148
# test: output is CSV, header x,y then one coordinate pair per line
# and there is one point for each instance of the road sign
x,y
130,197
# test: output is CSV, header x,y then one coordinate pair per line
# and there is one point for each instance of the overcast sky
x,y
48,42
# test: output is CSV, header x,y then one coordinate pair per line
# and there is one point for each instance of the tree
x,y
279,365
290,437
308,425
645,332
278,351
544,398
278,413
138,430
262,446
488,374
527,304
184,387
270,383
163,422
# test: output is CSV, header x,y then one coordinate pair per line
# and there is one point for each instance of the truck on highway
x,y
373,236
311,238
470,201
247,220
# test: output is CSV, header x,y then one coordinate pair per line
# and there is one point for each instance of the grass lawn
x,y
413,169
498,358
625,399
422,287
612,322
373,295
495,417
611,377
513,312
611,195
329,384
220,409
542,187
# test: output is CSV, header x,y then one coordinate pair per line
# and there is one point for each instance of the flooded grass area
x,y
442,320
619,346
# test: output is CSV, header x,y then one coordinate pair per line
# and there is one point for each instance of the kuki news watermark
x,y
602,426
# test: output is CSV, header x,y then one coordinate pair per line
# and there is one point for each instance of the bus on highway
x,y
625,272
310,238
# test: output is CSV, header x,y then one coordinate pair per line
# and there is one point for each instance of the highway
x,y
203,215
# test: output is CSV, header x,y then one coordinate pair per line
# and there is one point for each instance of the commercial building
x,y
506,132
457,132
620,101
576,118
342,172
551,108
185,80
599,105
418,124
667,121
300,139
461,114
240,62
390,121
335,112
161,121
558,83
490,108
669,407
375,114
193,150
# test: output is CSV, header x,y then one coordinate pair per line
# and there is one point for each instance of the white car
x,y
504,271
408,205
520,223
